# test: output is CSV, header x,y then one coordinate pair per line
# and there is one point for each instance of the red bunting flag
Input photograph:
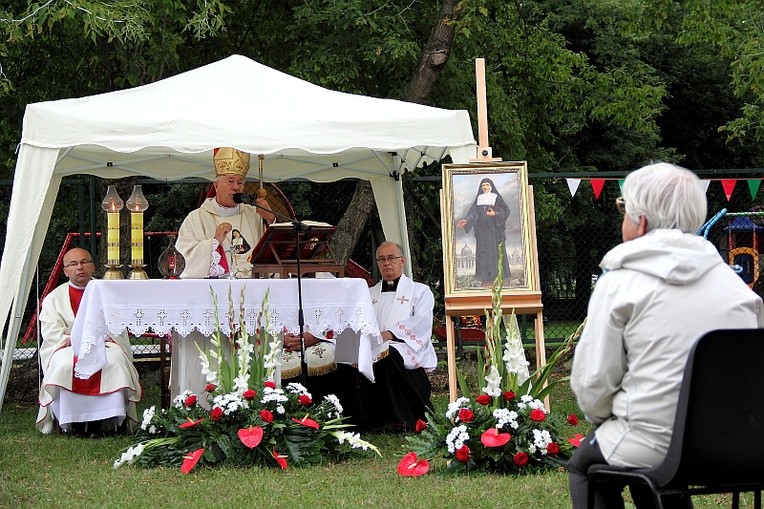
x,y
729,186
597,185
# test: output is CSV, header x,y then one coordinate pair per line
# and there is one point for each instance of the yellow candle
x,y
136,237
112,239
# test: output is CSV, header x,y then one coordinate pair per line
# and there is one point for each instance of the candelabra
x,y
112,204
137,204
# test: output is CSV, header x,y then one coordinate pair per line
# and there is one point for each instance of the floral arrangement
x,y
244,417
507,428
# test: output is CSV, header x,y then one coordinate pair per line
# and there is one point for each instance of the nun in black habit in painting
x,y
487,216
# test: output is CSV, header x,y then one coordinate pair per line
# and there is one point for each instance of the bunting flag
x,y
753,187
620,185
597,185
704,185
573,185
729,186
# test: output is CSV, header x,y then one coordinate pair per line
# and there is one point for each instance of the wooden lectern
x,y
276,253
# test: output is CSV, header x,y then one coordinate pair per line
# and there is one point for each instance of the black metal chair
x,y
717,445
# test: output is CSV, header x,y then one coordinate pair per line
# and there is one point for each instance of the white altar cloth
x,y
183,306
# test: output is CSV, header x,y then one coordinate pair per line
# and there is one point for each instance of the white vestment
x,y
407,314
198,246
120,387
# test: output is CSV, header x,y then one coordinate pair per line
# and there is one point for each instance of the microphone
x,y
249,199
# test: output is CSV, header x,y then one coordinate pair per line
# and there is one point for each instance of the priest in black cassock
x,y
401,391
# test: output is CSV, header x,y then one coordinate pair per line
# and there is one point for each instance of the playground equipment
x,y
744,259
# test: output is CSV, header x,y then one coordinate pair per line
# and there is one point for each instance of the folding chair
x,y
717,445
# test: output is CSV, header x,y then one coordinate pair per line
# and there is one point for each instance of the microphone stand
x,y
298,229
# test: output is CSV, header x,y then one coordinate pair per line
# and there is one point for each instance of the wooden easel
x,y
527,302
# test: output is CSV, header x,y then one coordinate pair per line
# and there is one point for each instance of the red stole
x,y
91,386
223,259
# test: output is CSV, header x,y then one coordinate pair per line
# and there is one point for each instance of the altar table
x,y
186,306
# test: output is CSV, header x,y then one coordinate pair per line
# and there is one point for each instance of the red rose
x,y
210,387
249,394
216,414
573,420
552,448
466,415
330,334
190,401
270,384
508,395
463,453
266,415
420,425
537,415
483,399
304,399
520,459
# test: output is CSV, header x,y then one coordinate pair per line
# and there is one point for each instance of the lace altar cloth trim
x,y
162,306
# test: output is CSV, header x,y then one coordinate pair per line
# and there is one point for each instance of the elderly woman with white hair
x,y
661,289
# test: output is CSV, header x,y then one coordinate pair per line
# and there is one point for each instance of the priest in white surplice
x,y
205,241
100,403
401,391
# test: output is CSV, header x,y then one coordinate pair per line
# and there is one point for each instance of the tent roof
x,y
168,129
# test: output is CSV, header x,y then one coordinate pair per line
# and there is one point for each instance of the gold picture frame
x,y
472,221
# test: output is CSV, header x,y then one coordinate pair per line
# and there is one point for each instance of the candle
x,y
112,238
136,237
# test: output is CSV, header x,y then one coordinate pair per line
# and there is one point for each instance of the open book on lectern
x,y
278,243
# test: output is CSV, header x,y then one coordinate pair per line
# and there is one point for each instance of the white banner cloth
x,y
111,306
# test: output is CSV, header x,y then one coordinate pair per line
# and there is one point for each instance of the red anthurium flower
x,y
420,425
190,401
266,415
329,334
520,458
281,460
190,461
508,395
575,441
304,399
270,384
216,413
209,387
308,423
537,415
466,415
251,436
483,399
573,420
190,424
412,466
463,453
493,438
249,394
552,448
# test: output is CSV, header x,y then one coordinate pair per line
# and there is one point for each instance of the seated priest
x,y
400,394
206,241
103,403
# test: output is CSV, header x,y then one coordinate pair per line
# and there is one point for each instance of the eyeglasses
x,y
391,258
620,204
72,265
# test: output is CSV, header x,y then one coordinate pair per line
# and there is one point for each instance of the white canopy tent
x,y
167,131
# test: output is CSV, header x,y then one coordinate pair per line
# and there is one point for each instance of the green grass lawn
x,y
54,471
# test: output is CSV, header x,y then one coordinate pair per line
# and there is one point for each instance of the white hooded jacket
x,y
658,294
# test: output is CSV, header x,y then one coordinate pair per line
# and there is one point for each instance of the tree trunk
x,y
425,74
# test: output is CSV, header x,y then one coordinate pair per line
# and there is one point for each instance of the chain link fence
x,y
573,233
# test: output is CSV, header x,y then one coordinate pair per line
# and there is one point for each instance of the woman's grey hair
x,y
669,196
